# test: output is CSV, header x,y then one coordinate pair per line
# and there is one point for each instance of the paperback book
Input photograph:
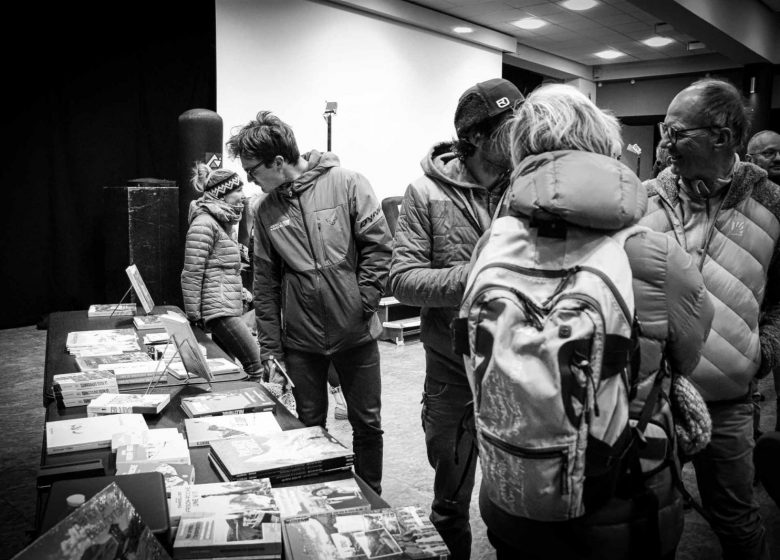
x,y
111,309
283,456
218,366
221,497
175,474
400,532
137,372
147,322
125,339
201,431
79,434
116,403
233,401
89,379
94,362
144,436
168,451
341,496
106,527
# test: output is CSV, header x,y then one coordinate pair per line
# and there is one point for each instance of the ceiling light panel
x,y
529,23
462,29
658,41
609,54
579,5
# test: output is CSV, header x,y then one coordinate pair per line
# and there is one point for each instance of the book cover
x,y
143,436
146,322
200,431
110,309
218,366
175,474
93,362
310,449
249,534
401,532
106,527
168,451
342,496
235,401
78,434
224,498
140,288
103,337
116,403
183,338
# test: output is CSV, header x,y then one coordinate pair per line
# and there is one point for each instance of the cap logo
x,y
503,102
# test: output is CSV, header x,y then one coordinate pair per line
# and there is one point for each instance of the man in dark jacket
x,y
444,213
321,254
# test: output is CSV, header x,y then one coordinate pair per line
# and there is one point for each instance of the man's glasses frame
x,y
674,134
767,154
250,173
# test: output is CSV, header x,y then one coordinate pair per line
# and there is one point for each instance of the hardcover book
x,y
342,496
175,474
233,401
111,309
401,532
79,434
200,431
225,498
105,527
282,456
116,403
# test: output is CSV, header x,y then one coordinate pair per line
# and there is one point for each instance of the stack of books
x,y
282,457
101,342
78,389
226,520
400,532
201,431
232,401
117,403
147,322
335,496
130,373
111,310
218,366
63,436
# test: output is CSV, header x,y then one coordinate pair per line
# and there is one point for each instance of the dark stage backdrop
x,y
93,93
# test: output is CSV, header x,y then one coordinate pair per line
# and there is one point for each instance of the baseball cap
x,y
485,100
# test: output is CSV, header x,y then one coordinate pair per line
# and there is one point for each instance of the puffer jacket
x,y
211,278
733,237
673,308
321,254
442,217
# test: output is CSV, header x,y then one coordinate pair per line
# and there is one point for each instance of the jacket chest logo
x,y
736,228
284,223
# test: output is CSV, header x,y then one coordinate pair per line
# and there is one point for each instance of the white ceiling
x,y
577,36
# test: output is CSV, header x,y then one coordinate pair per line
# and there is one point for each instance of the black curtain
x,y
93,94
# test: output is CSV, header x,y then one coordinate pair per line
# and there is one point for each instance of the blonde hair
x,y
203,176
561,117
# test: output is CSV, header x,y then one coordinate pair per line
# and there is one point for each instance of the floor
x,y
407,475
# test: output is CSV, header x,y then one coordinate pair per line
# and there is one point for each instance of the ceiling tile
x,y
618,19
541,10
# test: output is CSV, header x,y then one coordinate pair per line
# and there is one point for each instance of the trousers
x,y
235,338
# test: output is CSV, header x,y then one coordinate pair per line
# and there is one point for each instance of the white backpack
x,y
551,334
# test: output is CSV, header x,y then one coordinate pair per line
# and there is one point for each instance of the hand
x,y
272,373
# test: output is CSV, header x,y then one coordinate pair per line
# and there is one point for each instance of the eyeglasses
x,y
769,153
674,134
250,173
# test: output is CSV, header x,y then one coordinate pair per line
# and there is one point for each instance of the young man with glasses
x,y
321,256
726,214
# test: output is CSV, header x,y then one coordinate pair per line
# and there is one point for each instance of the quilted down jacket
x,y
733,238
321,254
442,217
672,306
211,278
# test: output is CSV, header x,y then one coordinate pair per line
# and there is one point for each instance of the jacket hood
x,y
319,163
582,188
442,165
218,209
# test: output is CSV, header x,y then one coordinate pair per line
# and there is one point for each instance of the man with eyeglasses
x,y
764,150
726,214
321,256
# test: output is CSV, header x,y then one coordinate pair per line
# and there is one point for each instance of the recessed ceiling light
x,y
695,45
529,23
609,53
658,41
579,5
463,29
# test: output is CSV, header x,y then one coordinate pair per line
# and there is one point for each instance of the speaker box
x,y
141,227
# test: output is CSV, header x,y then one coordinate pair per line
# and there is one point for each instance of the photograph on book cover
x,y
180,333
140,288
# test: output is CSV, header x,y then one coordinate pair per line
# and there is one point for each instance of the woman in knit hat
x,y
211,279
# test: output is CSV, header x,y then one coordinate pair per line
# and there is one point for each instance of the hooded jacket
x,y
733,237
321,253
599,193
442,217
211,278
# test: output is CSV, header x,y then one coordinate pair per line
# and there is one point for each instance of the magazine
x,y
200,431
342,496
221,497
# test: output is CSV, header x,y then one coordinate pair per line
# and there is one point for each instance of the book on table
x,y
308,499
201,431
225,520
107,526
111,310
116,403
218,366
144,436
78,389
230,401
63,436
175,474
166,451
137,372
94,362
399,532
141,291
183,338
147,322
102,341
282,456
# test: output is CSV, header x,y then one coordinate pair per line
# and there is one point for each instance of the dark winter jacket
x,y
211,278
321,253
442,217
733,238
673,309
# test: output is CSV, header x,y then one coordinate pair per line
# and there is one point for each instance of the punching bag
x,y
200,140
